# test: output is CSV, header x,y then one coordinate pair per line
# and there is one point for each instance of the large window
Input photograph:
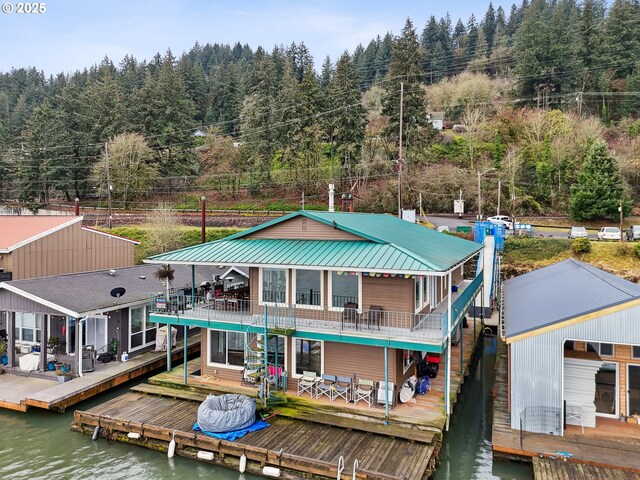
x,y
308,356
28,327
141,331
274,285
226,348
308,287
344,288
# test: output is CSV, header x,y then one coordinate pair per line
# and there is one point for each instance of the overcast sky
x,y
74,34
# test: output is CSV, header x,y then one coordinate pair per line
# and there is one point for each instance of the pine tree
x,y
489,28
406,68
621,43
347,120
42,166
599,188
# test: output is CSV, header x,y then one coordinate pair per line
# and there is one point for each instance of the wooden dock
x,y
554,469
19,392
295,446
592,448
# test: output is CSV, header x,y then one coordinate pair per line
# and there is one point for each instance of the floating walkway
x,y
294,446
19,392
554,469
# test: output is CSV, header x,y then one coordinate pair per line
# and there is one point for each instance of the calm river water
x,y
39,445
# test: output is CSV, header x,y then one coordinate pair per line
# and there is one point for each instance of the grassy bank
x,y
184,237
522,255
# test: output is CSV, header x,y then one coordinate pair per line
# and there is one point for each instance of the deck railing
x,y
355,321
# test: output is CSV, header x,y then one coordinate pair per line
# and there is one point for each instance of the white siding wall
x,y
537,362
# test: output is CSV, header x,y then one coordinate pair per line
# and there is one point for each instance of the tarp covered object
x,y
234,434
225,413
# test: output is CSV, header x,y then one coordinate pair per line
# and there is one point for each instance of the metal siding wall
x,y
536,362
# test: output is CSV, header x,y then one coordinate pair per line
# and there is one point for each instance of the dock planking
x,y
554,469
295,445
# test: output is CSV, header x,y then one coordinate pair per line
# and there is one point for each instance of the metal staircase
x,y
271,378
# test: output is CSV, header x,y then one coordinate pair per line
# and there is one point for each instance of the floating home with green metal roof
x,y
355,295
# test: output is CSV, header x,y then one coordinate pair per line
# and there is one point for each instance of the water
x,y
466,452
40,444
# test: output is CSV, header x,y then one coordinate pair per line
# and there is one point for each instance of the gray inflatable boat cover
x,y
225,413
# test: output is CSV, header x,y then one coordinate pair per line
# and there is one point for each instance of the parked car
x,y
609,233
501,220
578,232
633,233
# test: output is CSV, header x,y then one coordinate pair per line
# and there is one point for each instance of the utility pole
x,y
620,210
400,155
499,194
302,202
106,160
479,199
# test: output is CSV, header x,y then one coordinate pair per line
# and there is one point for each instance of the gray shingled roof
x,y
560,292
91,291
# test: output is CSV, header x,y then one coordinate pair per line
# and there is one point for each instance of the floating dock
x,y
554,469
294,446
20,392
305,435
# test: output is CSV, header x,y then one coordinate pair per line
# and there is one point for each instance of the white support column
x,y
447,364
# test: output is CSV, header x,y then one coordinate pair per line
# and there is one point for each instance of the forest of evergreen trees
x,y
534,87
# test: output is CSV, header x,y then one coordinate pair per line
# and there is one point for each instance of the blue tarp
x,y
235,434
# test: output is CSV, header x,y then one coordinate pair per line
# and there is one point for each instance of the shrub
x,y
581,245
623,249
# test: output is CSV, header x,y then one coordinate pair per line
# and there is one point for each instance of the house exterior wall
x,y
536,362
393,294
68,250
304,228
339,359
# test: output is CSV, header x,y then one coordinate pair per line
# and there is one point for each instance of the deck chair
x,y
364,391
307,383
342,388
373,315
325,386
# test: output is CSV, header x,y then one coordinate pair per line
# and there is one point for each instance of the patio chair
x,y
364,391
373,315
342,388
307,383
325,386
350,314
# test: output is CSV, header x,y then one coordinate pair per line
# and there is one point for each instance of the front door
x,y
96,333
606,399
633,390
70,335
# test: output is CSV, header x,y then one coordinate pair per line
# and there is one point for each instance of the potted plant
x,y
165,275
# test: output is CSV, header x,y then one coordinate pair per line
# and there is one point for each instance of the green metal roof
x,y
388,244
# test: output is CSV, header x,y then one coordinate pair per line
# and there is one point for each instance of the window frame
x,y
409,354
226,365
294,289
287,287
294,359
18,328
330,305
145,329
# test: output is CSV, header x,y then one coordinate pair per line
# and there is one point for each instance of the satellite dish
x,y
117,293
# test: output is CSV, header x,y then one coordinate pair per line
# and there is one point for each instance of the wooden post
x,y
78,347
11,343
203,231
44,332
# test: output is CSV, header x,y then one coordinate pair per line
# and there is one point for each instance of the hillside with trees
x,y
546,97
